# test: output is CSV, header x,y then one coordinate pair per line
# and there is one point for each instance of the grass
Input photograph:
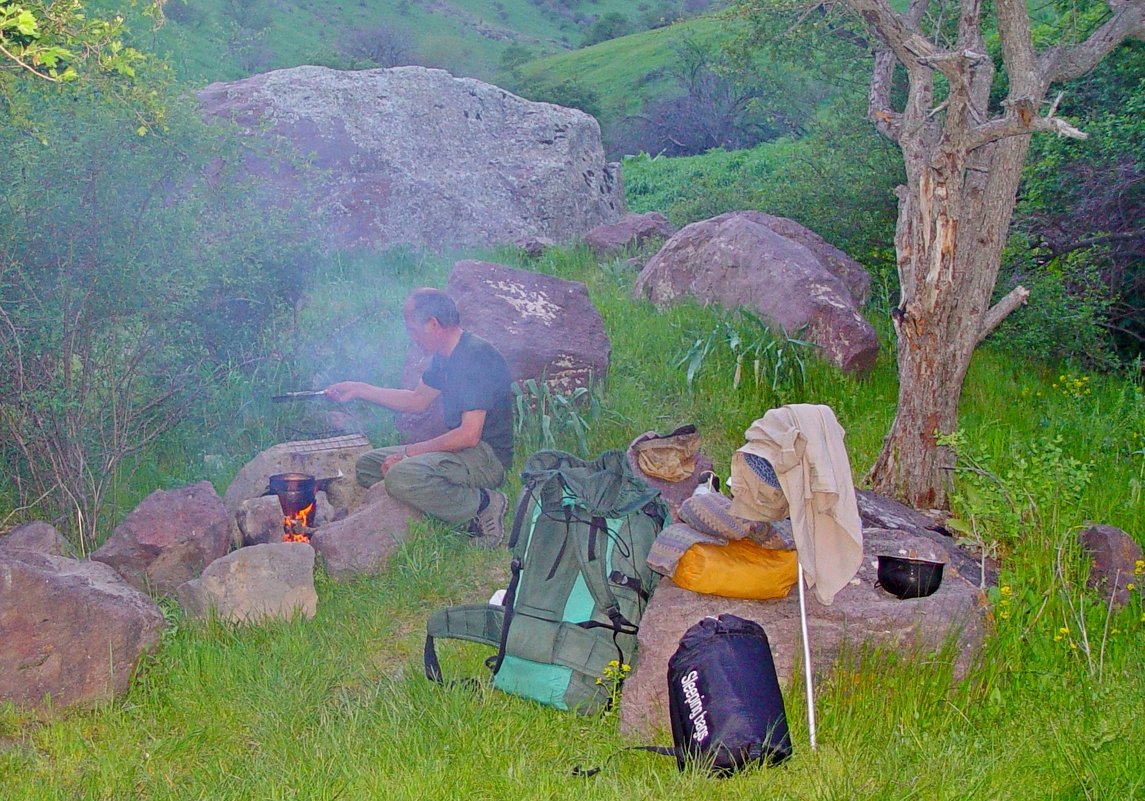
x,y
336,707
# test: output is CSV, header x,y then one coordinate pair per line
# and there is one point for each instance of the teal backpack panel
x,y
581,535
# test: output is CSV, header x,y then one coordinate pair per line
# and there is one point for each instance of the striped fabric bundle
x,y
710,513
671,544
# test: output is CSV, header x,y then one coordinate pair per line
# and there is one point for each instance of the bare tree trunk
x,y
963,165
949,239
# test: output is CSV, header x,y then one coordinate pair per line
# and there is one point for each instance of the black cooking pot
x,y
295,491
908,578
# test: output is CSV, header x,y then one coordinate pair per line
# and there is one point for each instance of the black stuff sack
x,y
724,698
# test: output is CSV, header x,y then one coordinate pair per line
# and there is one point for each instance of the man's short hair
x,y
427,302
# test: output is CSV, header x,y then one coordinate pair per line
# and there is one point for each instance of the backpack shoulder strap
x,y
591,554
480,623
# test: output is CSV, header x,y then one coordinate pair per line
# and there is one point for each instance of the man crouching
x,y
454,476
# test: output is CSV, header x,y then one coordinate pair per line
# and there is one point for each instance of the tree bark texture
x,y
963,166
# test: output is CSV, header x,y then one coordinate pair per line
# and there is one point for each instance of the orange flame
x,y
295,529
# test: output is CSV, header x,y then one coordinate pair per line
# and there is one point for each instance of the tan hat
x,y
671,457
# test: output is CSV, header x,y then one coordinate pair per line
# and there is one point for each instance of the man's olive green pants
x,y
444,485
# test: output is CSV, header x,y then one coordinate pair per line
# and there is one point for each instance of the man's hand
x,y
345,391
391,460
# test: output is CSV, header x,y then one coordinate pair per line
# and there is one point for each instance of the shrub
x,y
130,285
1069,304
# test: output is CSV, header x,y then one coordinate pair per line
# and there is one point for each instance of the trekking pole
x,y
807,661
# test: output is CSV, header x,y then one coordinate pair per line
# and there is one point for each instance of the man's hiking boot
x,y
487,530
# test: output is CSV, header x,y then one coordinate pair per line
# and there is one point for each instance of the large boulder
x,y
543,326
262,582
860,615
414,156
169,538
776,268
74,631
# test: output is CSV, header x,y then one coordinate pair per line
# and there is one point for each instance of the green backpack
x,y
580,582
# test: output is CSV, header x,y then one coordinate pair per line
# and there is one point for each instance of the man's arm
x,y
413,400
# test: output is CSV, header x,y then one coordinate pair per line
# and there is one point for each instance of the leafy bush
x,y
128,286
1040,486
1082,202
1068,308
717,102
568,93
612,25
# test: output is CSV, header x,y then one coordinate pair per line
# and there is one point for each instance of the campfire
x,y
296,496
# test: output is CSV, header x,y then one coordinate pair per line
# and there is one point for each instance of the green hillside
x,y
630,69
208,40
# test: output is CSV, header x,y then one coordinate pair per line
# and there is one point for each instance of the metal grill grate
x,y
328,443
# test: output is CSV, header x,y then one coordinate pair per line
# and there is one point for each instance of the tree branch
x,y
1018,48
906,42
1001,310
20,63
1059,64
887,121
1019,121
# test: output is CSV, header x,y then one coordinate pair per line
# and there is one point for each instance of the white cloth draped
x,y
804,444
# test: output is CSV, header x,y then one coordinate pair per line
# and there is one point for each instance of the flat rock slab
x,y
329,458
861,615
879,511
261,582
169,538
631,230
71,630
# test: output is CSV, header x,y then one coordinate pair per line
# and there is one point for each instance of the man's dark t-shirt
x,y
475,376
